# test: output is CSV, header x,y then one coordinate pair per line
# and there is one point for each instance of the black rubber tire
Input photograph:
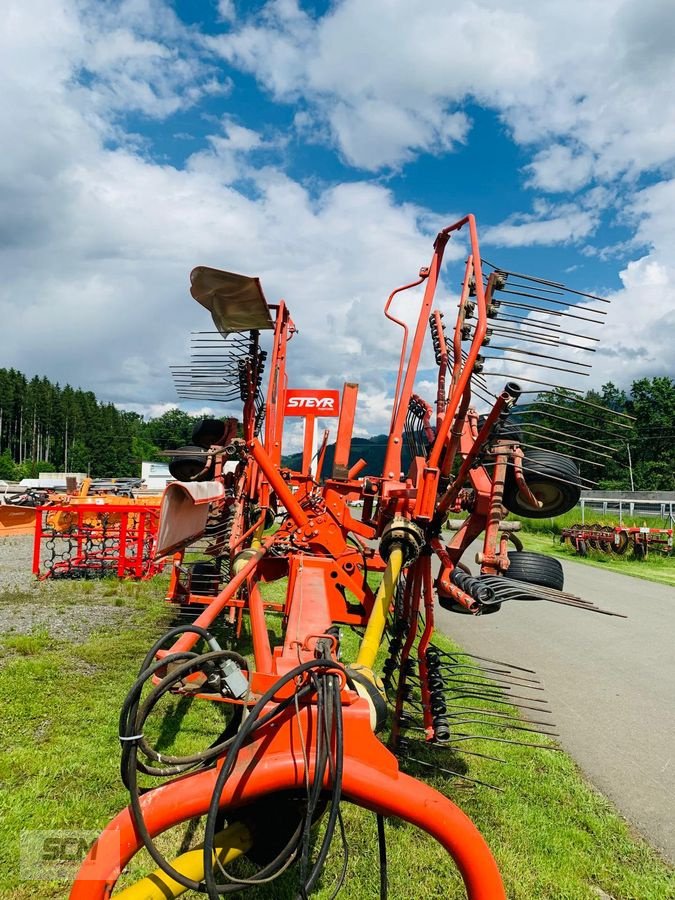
x,y
552,478
188,463
204,579
507,431
208,432
450,605
621,545
639,551
535,568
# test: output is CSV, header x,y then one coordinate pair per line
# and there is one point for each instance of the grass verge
x,y
554,836
543,535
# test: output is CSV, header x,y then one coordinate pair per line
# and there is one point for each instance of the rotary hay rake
x,y
302,721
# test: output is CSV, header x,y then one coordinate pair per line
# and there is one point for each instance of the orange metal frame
x,y
325,553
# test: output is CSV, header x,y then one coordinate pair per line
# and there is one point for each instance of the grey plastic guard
x,y
236,302
183,514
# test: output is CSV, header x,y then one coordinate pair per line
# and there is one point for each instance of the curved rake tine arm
x,y
404,346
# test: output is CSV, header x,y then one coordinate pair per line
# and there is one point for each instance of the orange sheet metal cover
x,y
236,302
16,520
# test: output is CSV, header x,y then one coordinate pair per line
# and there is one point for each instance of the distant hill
x,y
371,449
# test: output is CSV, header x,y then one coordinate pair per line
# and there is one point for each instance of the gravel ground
x,y
68,610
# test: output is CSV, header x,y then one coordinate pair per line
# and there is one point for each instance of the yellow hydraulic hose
x,y
378,616
229,844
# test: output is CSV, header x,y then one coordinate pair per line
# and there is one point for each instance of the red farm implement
x,y
618,539
95,538
303,721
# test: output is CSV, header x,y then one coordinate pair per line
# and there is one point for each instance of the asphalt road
x,y
610,683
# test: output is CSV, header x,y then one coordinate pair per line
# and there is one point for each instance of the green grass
x,y
543,536
554,836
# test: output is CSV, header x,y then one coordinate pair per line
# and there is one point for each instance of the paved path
x,y
610,683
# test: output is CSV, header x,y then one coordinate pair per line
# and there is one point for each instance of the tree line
x,y
46,427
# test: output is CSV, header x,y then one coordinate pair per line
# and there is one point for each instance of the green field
x,y
553,835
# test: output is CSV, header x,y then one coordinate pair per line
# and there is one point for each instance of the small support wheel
x,y
535,568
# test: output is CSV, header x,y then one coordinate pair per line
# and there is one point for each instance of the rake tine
x,y
484,659
498,715
546,340
511,304
572,362
421,762
531,380
566,303
540,365
488,670
497,740
539,325
556,284
505,725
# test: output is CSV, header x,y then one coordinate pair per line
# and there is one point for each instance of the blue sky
x,y
320,146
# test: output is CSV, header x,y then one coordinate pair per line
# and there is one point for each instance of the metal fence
x,y
635,504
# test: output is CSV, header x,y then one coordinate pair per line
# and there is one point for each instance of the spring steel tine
x,y
548,312
597,465
538,323
469,752
421,762
530,380
549,340
566,303
507,672
571,362
506,725
495,685
590,427
506,702
461,679
556,284
538,427
605,409
494,697
539,365
456,721
584,294
580,412
497,662
533,337
542,289
515,582
498,740
529,409
553,327
588,606
534,430
498,715
582,478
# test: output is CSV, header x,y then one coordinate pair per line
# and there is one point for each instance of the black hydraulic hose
x,y
128,734
322,757
336,774
139,821
212,887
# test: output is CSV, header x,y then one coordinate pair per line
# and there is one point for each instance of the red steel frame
x,y
132,529
324,553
